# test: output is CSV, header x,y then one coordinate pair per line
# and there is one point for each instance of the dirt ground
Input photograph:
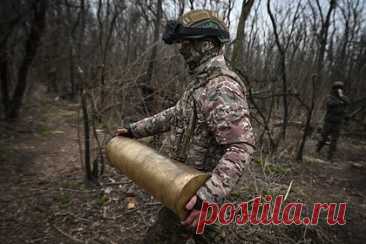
x,y
44,198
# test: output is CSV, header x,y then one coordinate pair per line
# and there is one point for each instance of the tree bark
x,y
84,106
237,57
309,115
37,27
147,88
323,35
4,79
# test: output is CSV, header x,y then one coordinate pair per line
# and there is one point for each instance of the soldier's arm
x,y
153,125
346,100
227,115
334,101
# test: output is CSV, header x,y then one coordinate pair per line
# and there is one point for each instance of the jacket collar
x,y
213,63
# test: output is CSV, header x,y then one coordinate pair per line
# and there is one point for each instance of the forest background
x,y
106,60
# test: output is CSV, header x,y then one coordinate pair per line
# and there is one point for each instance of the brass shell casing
x,y
171,182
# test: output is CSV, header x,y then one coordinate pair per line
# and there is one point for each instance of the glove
x,y
193,206
340,93
124,132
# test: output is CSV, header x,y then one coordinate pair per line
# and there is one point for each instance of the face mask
x,y
188,51
191,53
196,52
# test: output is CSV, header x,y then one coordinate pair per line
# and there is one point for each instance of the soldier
x,y
334,118
210,126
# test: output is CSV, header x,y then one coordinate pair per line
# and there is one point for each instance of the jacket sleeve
x,y
155,124
227,115
334,101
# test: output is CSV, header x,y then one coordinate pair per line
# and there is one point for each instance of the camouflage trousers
x,y
168,230
330,133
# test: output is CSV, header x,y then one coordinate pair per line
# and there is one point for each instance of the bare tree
x,y
237,57
323,30
37,25
128,74
147,88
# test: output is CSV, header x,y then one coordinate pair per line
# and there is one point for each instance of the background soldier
x,y
210,124
334,118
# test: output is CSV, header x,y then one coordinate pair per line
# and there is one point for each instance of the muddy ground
x,y
44,197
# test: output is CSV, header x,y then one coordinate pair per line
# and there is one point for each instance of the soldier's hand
x,y
193,212
340,93
124,132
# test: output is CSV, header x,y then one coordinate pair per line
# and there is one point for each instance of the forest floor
x,y
44,198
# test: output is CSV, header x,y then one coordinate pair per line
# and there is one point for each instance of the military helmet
x,y
196,24
338,84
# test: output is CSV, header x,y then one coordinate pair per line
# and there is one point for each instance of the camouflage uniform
x,y
333,122
211,131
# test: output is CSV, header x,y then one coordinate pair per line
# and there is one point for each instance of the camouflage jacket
x,y
336,109
210,127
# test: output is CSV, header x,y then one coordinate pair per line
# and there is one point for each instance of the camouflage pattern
x,y
209,130
333,122
167,230
336,109
210,127
329,132
196,18
198,52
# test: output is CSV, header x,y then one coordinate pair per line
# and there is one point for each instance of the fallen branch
x,y
74,239
117,183
288,190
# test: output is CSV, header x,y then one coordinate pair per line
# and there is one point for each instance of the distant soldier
x,y
334,119
210,126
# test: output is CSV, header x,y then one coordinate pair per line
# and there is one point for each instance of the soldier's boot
x,y
214,234
326,132
167,230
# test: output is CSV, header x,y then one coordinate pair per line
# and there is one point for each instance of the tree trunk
x,y
147,89
37,27
4,80
323,37
84,107
309,115
237,57
306,132
282,61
